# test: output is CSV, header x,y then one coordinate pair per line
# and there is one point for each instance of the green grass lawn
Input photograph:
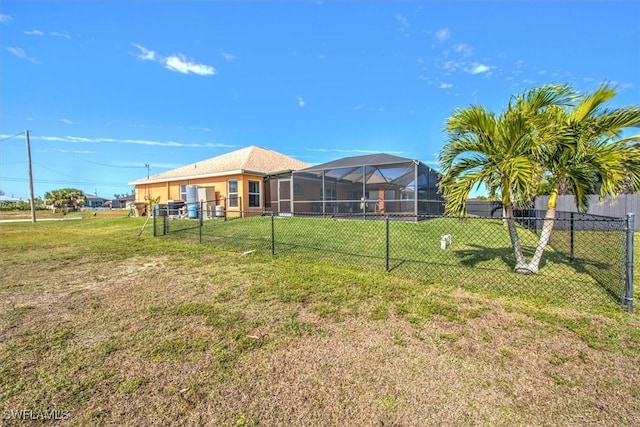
x,y
480,256
116,330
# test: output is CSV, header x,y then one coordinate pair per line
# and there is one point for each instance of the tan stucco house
x,y
235,179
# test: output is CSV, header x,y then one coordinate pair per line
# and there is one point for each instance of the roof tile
x,y
250,159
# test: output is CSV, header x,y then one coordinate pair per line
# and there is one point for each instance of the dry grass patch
x,y
118,331
390,373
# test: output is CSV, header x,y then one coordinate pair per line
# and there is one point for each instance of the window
x,y
183,192
232,193
329,194
353,200
353,196
254,194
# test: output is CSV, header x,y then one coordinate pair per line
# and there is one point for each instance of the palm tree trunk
x,y
515,239
547,228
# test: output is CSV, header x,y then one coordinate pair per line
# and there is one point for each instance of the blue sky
x,y
107,87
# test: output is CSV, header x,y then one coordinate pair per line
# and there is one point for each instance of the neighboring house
x,y
123,202
484,208
375,184
617,207
234,180
94,201
7,199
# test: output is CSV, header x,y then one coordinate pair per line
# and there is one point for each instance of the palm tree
x,y
499,152
65,196
582,145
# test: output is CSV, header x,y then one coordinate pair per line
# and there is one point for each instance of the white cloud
x,y
78,139
459,47
181,65
464,49
402,20
163,165
228,56
446,85
301,102
452,66
177,63
67,121
59,34
21,54
477,68
443,34
518,68
74,151
5,18
145,54
340,150
34,33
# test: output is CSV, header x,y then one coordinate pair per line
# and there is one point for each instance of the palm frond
x,y
590,103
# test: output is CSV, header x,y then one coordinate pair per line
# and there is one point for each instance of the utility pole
x,y
146,196
32,198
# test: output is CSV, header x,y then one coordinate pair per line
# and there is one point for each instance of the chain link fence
x,y
588,259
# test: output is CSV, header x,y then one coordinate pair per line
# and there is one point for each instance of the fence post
x,y
571,240
273,236
200,215
165,224
387,242
628,299
155,216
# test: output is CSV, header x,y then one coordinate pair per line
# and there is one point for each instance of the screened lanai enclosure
x,y
368,186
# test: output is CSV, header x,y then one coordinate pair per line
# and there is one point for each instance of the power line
x,y
88,161
68,181
13,163
110,166
59,173
13,136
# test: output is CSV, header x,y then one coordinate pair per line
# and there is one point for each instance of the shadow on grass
x,y
602,273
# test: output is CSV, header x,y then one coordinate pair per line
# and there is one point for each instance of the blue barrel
x,y
192,201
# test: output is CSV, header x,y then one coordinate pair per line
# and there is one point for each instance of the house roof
x,y
359,161
252,160
94,197
8,199
381,168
